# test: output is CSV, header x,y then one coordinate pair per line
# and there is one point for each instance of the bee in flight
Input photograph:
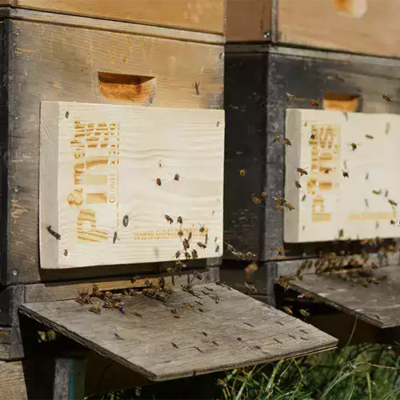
x,y
256,200
277,139
353,146
287,310
297,183
242,172
302,171
280,252
393,203
287,142
314,103
304,313
290,97
345,174
158,181
289,206
387,98
278,208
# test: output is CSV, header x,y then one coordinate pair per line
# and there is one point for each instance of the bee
x,y
277,139
186,244
369,136
187,305
290,97
190,235
280,199
278,208
264,195
201,245
374,266
187,255
287,310
297,183
373,280
345,174
169,219
176,177
302,171
175,345
303,198
215,298
341,233
250,270
180,233
242,172
95,291
287,142
303,295
387,128
197,87
177,254
289,206
359,90
305,123
95,310
256,200
194,254
180,264
179,220
280,252
353,146
392,202
158,181
392,222
304,313
377,192
83,298
314,103
201,229
387,98
312,137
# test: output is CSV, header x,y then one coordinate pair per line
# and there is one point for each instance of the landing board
x,y
237,331
114,181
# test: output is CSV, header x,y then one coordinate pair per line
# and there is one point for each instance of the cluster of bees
x,y
177,178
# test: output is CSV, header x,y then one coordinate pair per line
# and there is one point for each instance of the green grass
x,y
363,372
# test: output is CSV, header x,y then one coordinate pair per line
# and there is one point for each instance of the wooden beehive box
x,y
257,111
85,60
359,26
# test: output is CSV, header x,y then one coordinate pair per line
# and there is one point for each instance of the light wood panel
x,y
108,185
12,381
237,331
329,205
52,62
360,26
200,15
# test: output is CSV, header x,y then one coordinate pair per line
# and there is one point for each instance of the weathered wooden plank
x,y
233,332
69,290
355,26
115,163
200,15
111,26
69,379
12,381
85,53
248,20
10,299
377,304
350,187
11,347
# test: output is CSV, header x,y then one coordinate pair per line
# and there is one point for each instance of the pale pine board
x,y
346,197
185,141
239,331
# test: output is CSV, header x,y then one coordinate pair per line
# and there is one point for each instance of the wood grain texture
x,y
99,191
12,381
176,65
320,24
69,379
11,347
308,75
248,20
149,350
321,144
197,15
378,305
111,26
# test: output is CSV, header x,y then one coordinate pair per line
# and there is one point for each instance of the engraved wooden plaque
x,y
108,179
329,205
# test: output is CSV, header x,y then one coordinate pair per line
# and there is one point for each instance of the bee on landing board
x,y
186,244
288,310
201,245
280,252
194,254
302,171
180,220
353,146
345,174
158,181
297,183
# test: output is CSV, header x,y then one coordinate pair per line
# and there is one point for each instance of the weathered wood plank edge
x,y
42,292
341,307
110,26
158,378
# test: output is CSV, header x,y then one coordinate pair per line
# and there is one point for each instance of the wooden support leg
x,y
69,380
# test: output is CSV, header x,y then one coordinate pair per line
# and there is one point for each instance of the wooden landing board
x,y
238,331
378,305
328,202
99,166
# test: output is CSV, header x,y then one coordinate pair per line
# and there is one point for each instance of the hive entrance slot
x,y
121,88
341,102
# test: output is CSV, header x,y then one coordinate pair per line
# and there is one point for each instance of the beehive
x,y
359,26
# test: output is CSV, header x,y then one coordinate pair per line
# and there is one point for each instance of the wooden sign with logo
x,y
350,186
122,184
